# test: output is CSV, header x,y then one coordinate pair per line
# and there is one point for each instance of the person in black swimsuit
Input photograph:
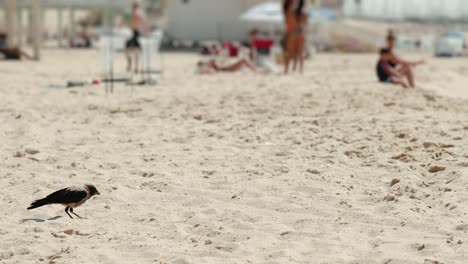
x,y
138,24
386,72
134,42
403,67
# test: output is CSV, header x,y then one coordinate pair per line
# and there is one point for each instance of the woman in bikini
x,y
287,7
296,22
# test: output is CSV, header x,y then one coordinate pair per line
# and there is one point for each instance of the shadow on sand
x,y
37,220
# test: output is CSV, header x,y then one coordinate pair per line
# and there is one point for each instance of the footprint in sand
x,y
462,227
435,169
19,154
31,151
52,259
429,145
404,158
430,261
394,182
27,151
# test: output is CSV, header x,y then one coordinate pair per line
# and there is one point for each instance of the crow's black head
x,y
92,190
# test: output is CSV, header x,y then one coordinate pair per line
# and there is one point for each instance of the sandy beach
x,y
328,167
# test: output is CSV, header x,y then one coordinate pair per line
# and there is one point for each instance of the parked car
x,y
450,44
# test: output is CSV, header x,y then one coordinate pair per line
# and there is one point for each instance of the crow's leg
x,y
66,211
71,210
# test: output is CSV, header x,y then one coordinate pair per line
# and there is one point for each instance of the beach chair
x,y
264,57
263,46
149,54
232,50
109,43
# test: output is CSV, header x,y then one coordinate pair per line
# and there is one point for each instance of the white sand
x,y
235,168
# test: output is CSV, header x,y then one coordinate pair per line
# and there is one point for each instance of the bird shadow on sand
x,y
37,220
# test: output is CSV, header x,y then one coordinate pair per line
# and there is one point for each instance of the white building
x,y
407,9
201,20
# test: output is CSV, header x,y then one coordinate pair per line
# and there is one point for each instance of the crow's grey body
x,y
71,197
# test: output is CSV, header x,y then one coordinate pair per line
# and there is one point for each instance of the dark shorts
x,y
134,42
382,73
10,54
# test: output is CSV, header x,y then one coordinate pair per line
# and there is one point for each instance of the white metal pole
x,y
36,28
71,26
11,23
60,27
20,27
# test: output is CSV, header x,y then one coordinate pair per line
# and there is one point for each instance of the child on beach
x,y
386,72
403,67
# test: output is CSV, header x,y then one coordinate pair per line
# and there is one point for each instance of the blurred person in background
x,y
296,23
403,67
11,53
386,72
235,65
138,24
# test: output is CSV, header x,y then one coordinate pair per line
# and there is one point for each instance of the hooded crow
x,y
71,197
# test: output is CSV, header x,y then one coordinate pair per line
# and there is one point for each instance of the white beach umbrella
x,y
264,13
273,13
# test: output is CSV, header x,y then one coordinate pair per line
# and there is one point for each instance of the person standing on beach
x,y
296,23
138,24
403,67
287,6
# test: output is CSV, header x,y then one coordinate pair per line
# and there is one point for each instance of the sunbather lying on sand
x,y
13,53
10,53
211,66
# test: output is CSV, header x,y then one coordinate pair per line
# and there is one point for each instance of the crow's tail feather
x,y
37,203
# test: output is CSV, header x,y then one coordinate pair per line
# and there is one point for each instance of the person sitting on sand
x,y
11,53
211,66
404,67
14,53
386,72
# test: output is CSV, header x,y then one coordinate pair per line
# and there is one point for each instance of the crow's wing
x,y
65,196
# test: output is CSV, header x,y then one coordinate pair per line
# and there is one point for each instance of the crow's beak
x,y
98,193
